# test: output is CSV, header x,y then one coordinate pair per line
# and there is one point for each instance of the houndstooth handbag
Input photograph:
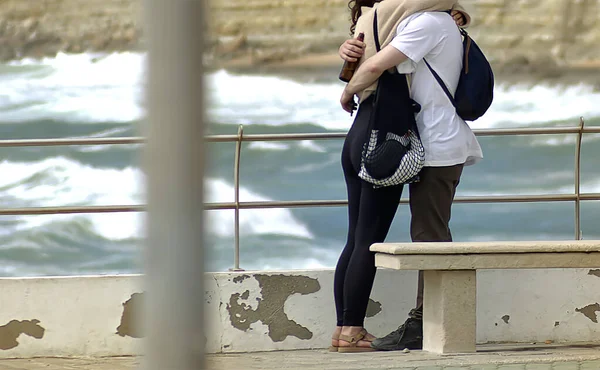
x,y
393,153
404,154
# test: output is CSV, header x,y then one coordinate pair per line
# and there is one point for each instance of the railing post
x,y
174,163
578,233
236,185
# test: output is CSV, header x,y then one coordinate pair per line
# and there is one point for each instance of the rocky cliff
x,y
515,34
38,28
538,33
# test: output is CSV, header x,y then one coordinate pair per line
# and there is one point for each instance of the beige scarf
x,y
389,15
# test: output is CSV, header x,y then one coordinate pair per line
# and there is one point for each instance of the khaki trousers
x,y
430,206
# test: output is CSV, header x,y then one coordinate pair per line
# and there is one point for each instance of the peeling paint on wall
x,y
132,312
275,290
241,278
594,273
11,331
506,318
373,308
590,311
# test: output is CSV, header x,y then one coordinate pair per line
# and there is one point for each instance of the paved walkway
x,y
112,363
505,357
496,357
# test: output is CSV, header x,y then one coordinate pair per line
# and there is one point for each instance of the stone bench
x,y
449,302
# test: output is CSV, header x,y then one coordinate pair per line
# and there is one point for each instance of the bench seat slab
x,y
498,247
487,261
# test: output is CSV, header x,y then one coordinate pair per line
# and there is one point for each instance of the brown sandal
x,y
333,348
353,340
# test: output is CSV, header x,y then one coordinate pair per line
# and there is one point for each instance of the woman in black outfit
x,y
370,215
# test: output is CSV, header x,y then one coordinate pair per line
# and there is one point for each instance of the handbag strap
x,y
441,83
438,78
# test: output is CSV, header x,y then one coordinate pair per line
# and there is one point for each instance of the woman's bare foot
x,y
353,331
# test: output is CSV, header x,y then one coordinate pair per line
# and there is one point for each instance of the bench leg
x,y
449,301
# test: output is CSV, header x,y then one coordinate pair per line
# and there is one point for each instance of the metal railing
x,y
238,205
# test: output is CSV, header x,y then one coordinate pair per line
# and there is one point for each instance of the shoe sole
x,y
355,349
409,347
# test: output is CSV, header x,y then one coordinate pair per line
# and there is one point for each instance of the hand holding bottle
x,y
351,51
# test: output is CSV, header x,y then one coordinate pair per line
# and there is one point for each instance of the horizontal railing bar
x,y
279,137
291,204
292,137
517,198
478,132
30,211
536,131
476,199
589,196
70,141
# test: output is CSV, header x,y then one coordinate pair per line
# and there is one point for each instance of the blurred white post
x,y
173,162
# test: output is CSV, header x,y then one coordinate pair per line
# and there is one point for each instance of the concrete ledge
x,y
561,246
70,316
283,310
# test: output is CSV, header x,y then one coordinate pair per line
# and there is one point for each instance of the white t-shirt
x,y
446,138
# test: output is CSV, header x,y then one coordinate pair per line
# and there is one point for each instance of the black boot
x,y
408,336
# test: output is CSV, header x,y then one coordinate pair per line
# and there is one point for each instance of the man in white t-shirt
x,y
448,141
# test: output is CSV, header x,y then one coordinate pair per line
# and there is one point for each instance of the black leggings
x,y
370,214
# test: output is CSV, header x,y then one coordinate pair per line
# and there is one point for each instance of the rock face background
x,y
514,33
38,28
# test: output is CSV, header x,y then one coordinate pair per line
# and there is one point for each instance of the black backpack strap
x,y
442,84
375,32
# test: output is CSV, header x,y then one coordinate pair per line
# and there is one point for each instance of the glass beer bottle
x,y
349,67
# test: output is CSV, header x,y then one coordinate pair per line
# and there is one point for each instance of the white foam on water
x,y
74,88
275,101
267,145
561,140
333,159
310,145
518,105
108,88
9,268
276,221
559,182
60,181
588,186
313,259
294,264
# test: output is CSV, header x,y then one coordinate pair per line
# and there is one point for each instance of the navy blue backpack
x,y
475,90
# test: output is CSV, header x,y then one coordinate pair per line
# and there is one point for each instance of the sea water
x,y
95,95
